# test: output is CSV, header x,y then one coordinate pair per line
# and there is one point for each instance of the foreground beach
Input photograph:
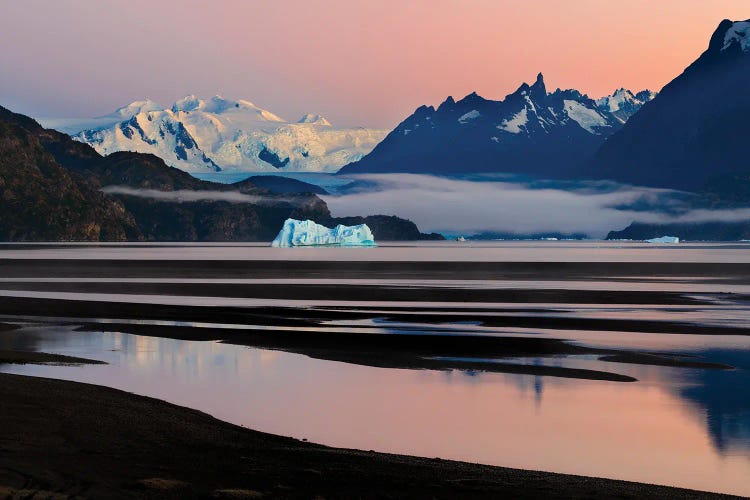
x,y
64,440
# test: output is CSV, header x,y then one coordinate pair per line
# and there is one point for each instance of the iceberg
x,y
664,239
305,233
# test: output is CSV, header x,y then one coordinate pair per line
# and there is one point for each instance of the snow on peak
x,y
74,126
137,107
187,103
298,233
200,135
623,103
589,119
738,33
616,101
514,125
217,105
314,120
471,115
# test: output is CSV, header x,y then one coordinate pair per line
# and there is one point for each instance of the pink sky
x,y
355,62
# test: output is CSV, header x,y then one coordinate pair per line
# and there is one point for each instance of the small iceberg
x,y
306,233
664,239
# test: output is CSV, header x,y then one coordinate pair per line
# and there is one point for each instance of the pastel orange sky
x,y
355,62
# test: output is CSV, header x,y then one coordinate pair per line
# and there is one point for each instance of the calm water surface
x,y
493,251
676,426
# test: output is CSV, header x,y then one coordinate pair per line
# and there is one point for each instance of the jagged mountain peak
x,y
535,91
623,103
645,95
539,84
448,103
694,130
622,91
472,99
424,108
531,132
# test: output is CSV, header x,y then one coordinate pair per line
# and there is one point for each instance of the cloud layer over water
x,y
185,195
452,205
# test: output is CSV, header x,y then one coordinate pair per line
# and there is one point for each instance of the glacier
x,y
218,134
301,233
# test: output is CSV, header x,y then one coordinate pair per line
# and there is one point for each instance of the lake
x,y
347,347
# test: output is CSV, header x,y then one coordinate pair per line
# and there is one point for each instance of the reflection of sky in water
x,y
477,251
674,426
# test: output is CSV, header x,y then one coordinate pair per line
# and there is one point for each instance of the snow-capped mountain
x,y
623,103
531,131
695,131
215,134
315,120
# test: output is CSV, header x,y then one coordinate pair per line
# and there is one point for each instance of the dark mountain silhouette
x,y
695,131
279,184
530,132
42,200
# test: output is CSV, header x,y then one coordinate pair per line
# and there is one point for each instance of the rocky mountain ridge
x,y
531,132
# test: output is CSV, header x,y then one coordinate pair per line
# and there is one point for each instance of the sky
x,y
359,63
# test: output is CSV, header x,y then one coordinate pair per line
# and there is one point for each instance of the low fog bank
x,y
449,205
180,196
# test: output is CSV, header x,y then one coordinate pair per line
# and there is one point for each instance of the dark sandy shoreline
x,y
26,357
79,440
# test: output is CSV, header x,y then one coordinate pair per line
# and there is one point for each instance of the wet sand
x,y
312,336
313,317
24,357
65,439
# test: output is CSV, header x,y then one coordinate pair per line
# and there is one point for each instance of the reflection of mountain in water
x,y
719,396
724,396
26,339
